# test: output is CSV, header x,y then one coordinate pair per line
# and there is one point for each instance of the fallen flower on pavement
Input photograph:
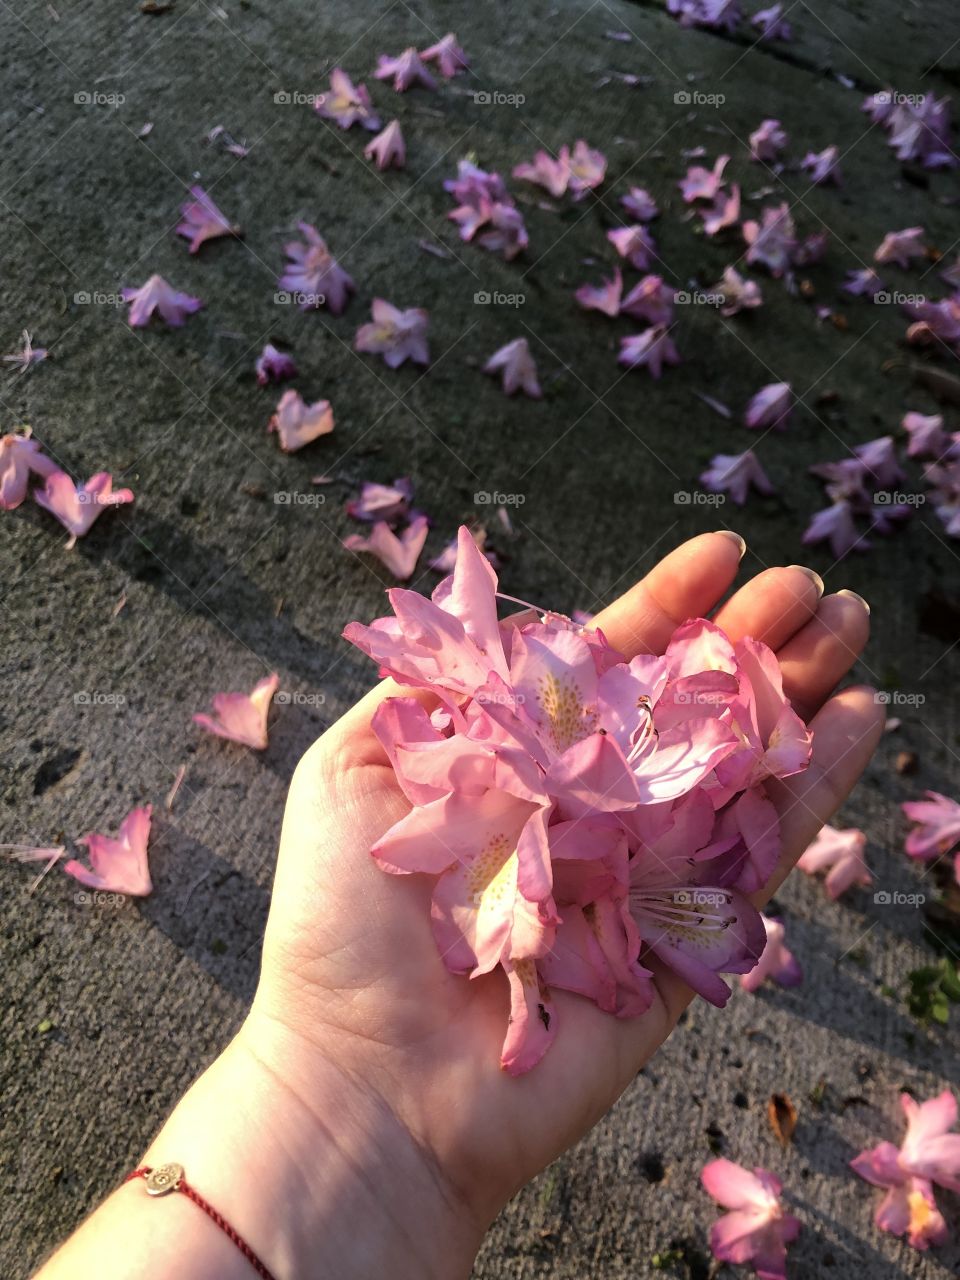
x,y
157,295
770,407
298,423
20,457
937,829
842,855
604,297
929,1153
735,293
636,244
588,168
119,864
241,717
778,963
274,366
653,348
758,1229
734,474
927,436
650,300
767,141
772,24
551,173
203,221
485,211
724,212
448,55
394,334
515,363
77,506
346,104
399,553
382,501
773,240
640,204
701,183
863,283
387,148
823,166
313,274
406,70
836,525
900,246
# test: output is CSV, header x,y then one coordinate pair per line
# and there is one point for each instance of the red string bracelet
x,y
169,1177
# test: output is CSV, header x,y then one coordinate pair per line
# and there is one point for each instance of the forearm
x,y
318,1183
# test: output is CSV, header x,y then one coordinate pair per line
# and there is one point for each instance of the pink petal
x,y
242,717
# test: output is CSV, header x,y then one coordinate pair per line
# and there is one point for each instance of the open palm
x,y
351,971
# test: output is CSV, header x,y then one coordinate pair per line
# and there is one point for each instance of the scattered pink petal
x,y
863,283
347,104
772,241
701,183
715,15
635,244
274,366
387,148
447,54
157,295
78,506
587,169
515,363
241,717
927,436
770,407
823,165
767,141
313,275
777,963
119,864
298,423
937,829
653,348
724,212
203,221
382,501
20,457
734,474
772,24
546,171
640,204
650,300
394,334
737,293
406,70
842,855
900,246
604,297
399,554
757,1230
836,525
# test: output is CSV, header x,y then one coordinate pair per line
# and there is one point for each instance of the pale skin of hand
x,y
359,1122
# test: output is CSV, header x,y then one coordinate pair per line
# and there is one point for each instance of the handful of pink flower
x,y
579,812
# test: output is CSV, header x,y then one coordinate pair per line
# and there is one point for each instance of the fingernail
x,y
811,574
741,545
853,596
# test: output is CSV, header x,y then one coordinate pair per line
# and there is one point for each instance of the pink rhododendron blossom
x,y
203,221
927,436
399,552
387,148
77,506
734,474
735,293
640,204
604,297
485,211
394,334
938,323
919,126
635,243
778,963
900,246
863,283
241,717
767,141
157,295
313,275
772,24
836,525
518,370
701,183
758,1229
346,104
842,855
389,502
653,348
650,300
588,168
26,355
274,366
448,56
553,174
937,829
406,69
770,407
772,241
20,457
119,863
573,810
724,212
929,1153
297,423
823,165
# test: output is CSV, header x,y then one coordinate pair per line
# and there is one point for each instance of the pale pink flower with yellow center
x,y
588,168
346,104
77,506
20,457
778,963
516,365
313,274
298,423
119,864
394,334
448,55
387,148
241,717
758,1229
156,295
406,70
203,221
399,552
929,1154
842,855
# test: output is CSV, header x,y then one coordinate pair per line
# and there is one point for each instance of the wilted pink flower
x,y
399,554
770,407
650,300
823,165
241,717
836,525
724,212
157,295
772,24
604,297
313,275
551,174
406,70
587,169
863,282
841,855
900,246
387,502
485,211
701,183
927,436
929,1154
653,348
119,864
737,293
938,826
346,103
203,221
777,961
78,506
767,141
757,1230
771,241
297,423
20,457
394,334
518,369
640,204
448,56
734,473
387,148
26,355
634,243
274,366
